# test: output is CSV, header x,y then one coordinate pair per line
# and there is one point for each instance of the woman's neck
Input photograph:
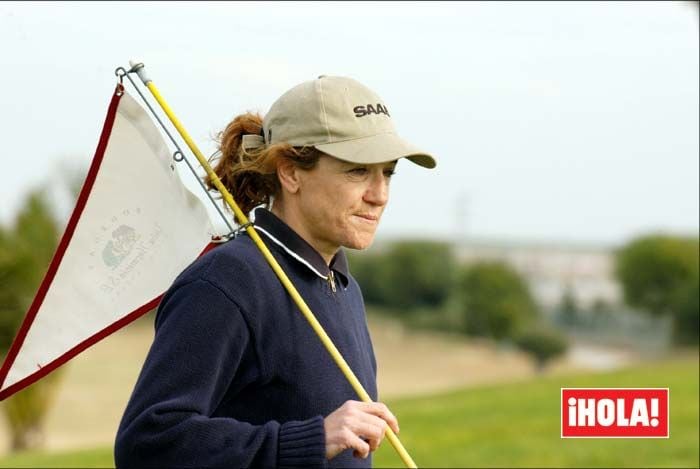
x,y
295,221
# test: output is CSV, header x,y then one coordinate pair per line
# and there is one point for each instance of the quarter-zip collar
x,y
281,234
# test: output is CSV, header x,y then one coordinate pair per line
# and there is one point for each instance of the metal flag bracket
x,y
178,155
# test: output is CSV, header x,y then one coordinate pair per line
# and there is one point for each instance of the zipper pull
x,y
331,280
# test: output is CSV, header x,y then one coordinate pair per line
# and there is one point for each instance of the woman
x,y
235,376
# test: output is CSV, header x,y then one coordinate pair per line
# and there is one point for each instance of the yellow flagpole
x,y
243,220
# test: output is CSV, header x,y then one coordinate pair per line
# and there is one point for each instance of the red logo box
x,y
614,413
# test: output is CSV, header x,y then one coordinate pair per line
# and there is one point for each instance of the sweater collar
x,y
281,234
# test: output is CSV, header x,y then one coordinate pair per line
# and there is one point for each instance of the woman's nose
x,y
377,192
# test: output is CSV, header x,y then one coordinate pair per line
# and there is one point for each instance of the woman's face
x,y
341,203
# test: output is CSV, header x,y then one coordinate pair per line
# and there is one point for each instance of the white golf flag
x,y
135,227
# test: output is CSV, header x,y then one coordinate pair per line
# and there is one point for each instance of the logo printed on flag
x,y
614,413
135,227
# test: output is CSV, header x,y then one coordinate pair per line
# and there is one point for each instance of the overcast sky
x,y
563,122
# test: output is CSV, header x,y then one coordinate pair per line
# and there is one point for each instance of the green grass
x,y
96,457
514,425
517,425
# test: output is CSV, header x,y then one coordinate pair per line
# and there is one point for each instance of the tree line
x,y
422,283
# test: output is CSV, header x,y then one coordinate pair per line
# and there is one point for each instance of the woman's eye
x,y
363,171
358,171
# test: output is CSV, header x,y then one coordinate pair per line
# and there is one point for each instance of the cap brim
x,y
379,148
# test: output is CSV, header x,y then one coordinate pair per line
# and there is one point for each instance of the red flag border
x,y
53,267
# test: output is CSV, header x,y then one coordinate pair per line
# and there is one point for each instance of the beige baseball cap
x,y
342,118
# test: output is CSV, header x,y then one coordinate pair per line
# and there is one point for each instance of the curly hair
x,y
250,175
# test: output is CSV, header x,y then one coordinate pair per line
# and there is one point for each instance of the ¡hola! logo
x,y
614,413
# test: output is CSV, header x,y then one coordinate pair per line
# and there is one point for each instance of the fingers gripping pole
x,y
139,69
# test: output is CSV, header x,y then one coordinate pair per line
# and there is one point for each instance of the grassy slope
x,y
513,425
518,424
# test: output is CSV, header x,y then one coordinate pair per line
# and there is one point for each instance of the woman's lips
x,y
367,218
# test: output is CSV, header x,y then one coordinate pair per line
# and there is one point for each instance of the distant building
x,y
551,269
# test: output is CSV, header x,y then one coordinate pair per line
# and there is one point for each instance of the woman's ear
x,y
289,175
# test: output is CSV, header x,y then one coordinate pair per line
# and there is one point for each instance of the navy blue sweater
x,y
235,376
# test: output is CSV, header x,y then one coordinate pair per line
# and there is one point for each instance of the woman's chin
x,y
360,242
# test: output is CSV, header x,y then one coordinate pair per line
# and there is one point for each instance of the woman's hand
x,y
358,425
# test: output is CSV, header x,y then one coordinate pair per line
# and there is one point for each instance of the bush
x,y
366,268
659,274
687,317
408,275
542,344
494,300
26,250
